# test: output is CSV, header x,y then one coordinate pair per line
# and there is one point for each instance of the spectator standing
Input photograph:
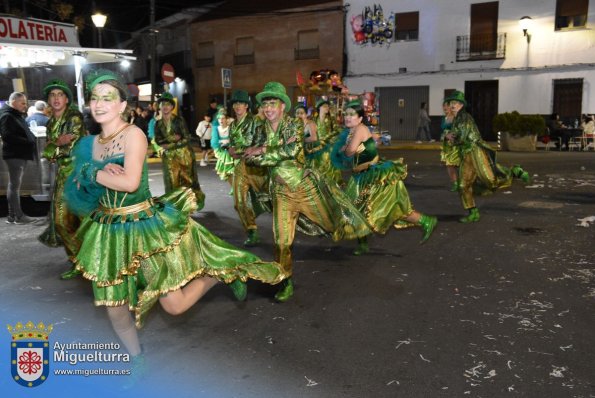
x,y
19,146
203,131
423,125
39,115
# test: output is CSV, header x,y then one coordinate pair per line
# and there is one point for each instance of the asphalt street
x,y
502,307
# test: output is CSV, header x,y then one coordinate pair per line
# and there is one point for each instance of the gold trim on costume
x,y
366,165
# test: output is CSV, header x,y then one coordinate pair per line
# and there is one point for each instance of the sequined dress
x,y
135,248
376,186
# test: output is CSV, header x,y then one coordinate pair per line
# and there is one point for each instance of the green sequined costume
x,y
178,163
301,199
478,172
62,223
318,153
376,186
135,248
250,183
449,153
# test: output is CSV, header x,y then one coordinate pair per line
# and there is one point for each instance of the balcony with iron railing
x,y
481,47
246,59
306,53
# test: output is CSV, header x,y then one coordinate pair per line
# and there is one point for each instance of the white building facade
x,y
478,48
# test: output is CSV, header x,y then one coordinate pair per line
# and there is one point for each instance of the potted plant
x,y
518,132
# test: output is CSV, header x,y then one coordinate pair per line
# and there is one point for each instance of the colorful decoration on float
x,y
321,81
371,26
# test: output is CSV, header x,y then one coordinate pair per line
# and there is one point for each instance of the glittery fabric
x,y
178,163
378,191
135,249
62,223
318,153
301,199
250,183
449,153
479,171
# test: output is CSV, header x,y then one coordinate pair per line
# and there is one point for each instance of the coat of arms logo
x,y
30,353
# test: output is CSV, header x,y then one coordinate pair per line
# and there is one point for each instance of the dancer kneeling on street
x,y
135,249
478,169
376,186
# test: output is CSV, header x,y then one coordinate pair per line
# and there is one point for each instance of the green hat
x,y
60,85
240,96
456,96
101,75
321,102
168,98
300,106
354,104
274,90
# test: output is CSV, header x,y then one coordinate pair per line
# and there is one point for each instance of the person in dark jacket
x,y
18,146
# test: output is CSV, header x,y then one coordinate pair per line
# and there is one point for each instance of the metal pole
x,y
153,52
99,33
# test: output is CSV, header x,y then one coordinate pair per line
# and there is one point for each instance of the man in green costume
x,y
64,129
299,198
249,182
478,169
173,138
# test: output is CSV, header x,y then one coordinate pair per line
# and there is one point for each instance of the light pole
x,y
99,21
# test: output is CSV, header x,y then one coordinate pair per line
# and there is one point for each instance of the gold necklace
x,y
107,139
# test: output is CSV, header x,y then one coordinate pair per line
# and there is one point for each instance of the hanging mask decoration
x,y
371,26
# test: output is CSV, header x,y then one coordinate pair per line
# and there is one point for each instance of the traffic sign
x,y
226,77
167,73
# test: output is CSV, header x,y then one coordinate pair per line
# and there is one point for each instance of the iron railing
x,y
481,47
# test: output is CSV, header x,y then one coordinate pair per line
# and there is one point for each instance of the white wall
x,y
525,75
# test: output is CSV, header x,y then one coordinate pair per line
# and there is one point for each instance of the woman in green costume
x,y
319,146
136,249
220,141
376,186
449,154
478,170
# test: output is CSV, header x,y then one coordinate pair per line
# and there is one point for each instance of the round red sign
x,y
167,73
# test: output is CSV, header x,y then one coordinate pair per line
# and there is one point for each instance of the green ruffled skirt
x,y
381,196
225,164
135,261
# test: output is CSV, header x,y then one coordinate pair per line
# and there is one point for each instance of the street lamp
x,y
526,23
99,21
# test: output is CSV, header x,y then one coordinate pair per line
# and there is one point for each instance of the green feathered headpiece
x,y
101,75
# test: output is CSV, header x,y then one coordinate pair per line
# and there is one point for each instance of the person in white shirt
x,y
203,131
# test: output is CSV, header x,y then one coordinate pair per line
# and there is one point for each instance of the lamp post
x,y
99,21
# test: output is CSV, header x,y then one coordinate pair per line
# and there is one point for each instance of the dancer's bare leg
x,y
180,300
123,325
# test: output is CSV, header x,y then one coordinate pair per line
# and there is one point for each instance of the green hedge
x,y
520,125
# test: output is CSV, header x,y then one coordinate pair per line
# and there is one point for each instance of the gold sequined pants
x,y
179,171
248,178
288,204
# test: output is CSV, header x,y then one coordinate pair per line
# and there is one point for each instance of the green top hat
x,y
240,96
101,75
167,97
355,104
456,96
321,102
59,85
274,90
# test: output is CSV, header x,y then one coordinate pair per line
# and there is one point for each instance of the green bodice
x,y
369,153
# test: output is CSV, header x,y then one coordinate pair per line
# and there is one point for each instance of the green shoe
x,y
362,246
427,223
454,187
472,217
71,273
285,292
239,289
253,238
519,172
